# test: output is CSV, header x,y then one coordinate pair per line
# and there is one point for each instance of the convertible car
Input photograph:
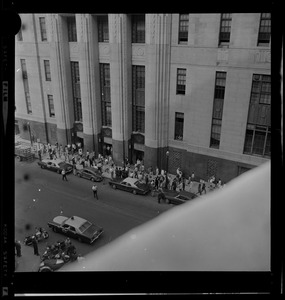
x,y
56,165
174,197
77,228
132,185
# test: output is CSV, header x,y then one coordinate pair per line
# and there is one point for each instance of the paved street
x,y
40,195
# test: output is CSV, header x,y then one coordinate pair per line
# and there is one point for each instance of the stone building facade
x,y
189,91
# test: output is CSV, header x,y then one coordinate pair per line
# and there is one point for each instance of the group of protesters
x,y
156,178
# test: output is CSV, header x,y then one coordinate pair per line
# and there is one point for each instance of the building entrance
x,y
137,154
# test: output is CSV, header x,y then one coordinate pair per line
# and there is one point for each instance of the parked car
x,y
174,197
132,185
56,165
77,228
89,173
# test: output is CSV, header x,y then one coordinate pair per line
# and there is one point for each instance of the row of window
x,y
138,29
258,132
259,121
225,29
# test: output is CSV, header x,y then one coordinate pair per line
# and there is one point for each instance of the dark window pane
x,y
183,28
71,27
43,29
258,143
179,124
248,141
103,29
138,29
264,29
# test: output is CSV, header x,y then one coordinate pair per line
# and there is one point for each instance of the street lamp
x,y
29,128
167,155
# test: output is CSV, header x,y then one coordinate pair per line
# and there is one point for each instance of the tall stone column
x,y
120,69
158,47
89,80
61,78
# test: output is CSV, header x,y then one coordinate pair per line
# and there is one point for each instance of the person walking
x,y
18,248
35,245
63,173
94,189
204,187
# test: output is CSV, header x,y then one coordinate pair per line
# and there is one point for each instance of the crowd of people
x,y
155,177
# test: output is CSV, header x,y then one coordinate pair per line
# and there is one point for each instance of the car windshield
x,y
63,164
84,226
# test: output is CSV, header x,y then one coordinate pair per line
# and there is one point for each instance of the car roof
x,y
57,161
130,180
89,169
75,221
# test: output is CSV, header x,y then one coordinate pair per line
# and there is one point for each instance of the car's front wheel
x,y
54,229
80,240
42,167
167,201
114,186
92,179
58,171
134,192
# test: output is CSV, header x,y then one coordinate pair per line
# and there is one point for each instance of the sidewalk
x,y
107,175
28,262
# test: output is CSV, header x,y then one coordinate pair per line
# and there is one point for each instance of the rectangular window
x,y
47,70
258,132
183,28
257,140
103,29
26,85
138,95
20,36
51,106
264,30
28,102
218,104
43,29
71,27
24,68
181,82
105,94
179,124
261,89
76,91
138,29
225,29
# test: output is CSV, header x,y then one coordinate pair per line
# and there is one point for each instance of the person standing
x,y
63,173
94,189
183,183
40,154
200,188
18,248
35,245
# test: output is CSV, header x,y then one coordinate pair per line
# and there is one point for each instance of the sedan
x,y
77,228
174,197
56,165
132,185
89,173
